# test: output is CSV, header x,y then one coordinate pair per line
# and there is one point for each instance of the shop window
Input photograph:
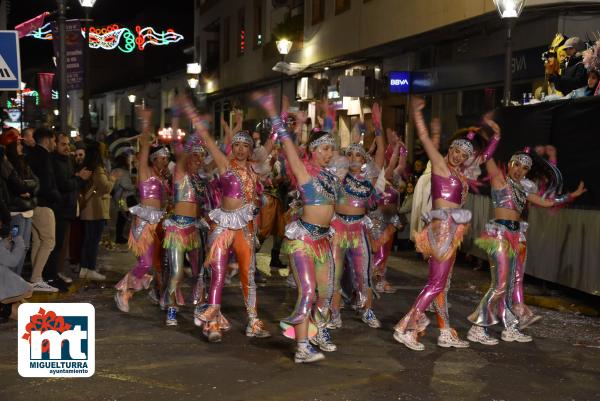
x,y
317,11
341,6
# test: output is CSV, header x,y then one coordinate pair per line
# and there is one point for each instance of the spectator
x,y
404,213
69,184
76,231
13,289
23,186
43,233
574,75
94,206
124,195
593,78
28,139
79,155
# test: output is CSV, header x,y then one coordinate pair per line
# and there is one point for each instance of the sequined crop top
x,y
239,182
355,192
514,195
452,189
231,185
184,190
320,190
152,188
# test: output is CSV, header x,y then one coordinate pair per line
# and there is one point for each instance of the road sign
x,y
10,61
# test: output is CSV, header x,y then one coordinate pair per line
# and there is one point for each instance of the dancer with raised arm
x,y
307,240
181,228
231,229
143,239
439,240
505,243
351,224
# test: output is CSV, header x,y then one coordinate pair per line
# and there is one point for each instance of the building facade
x,y
451,51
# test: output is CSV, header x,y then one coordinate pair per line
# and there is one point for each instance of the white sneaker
x,y
370,319
42,286
478,334
409,339
65,278
448,338
91,275
306,354
511,334
323,340
335,322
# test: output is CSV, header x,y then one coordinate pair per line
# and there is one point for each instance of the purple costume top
x,y
152,188
231,185
355,192
452,189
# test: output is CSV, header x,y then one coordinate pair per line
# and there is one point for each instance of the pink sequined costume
x,y
143,240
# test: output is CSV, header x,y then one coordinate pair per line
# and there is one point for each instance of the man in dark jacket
x,y
43,233
574,75
69,183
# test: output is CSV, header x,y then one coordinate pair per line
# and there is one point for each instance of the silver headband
x,y
163,151
464,145
523,159
323,140
243,137
357,148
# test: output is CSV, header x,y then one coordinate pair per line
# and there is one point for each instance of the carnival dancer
x,y
505,243
351,225
181,228
307,239
439,240
143,239
386,220
232,230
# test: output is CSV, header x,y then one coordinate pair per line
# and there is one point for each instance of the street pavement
x,y
138,358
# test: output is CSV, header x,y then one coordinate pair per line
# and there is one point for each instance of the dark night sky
x,y
112,69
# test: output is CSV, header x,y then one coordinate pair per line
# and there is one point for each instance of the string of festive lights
x,y
114,36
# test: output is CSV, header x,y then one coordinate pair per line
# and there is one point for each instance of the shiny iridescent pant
x,y
241,243
439,240
351,248
503,248
181,237
312,264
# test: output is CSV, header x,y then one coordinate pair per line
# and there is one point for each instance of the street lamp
x,y
132,102
283,47
509,11
193,82
86,120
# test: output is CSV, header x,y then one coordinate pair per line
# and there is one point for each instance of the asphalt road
x,y
138,358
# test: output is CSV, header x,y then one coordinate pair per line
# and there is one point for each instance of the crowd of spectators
x,y
55,195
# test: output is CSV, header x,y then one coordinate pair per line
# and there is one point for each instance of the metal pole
x,y
281,86
86,120
510,22
22,109
132,115
62,66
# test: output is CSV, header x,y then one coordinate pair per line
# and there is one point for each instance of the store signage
x,y
399,81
